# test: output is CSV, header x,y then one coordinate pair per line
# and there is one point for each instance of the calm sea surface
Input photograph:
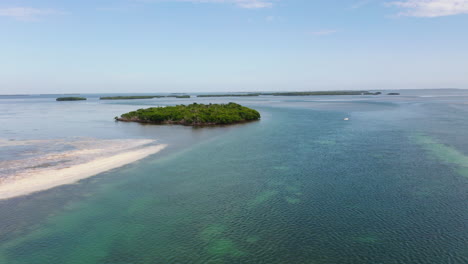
x,y
389,186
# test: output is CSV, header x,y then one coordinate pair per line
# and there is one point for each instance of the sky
x,y
113,46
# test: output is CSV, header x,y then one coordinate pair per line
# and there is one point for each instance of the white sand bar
x,y
46,179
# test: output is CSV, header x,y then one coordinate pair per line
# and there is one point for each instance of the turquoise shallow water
x,y
300,186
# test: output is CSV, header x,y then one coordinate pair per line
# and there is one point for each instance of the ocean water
x,y
389,186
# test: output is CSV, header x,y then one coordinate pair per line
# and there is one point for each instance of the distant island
x,y
179,96
323,93
313,93
141,97
227,95
128,97
70,99
193,114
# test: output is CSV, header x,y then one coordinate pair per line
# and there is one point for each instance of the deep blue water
x,y
300,186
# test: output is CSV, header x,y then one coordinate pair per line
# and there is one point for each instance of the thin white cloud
x,y
324,32
431,8
253,3
27,13
361,3
249,4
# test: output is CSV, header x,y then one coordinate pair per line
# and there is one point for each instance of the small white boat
x,y
346,119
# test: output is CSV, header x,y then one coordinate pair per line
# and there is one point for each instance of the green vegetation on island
x,y
311,93
70,99
393,94
129,97
295,93
193,114
179,96
141,97
227,95
320,93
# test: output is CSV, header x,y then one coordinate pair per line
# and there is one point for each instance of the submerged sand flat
x,y
32,155
91,161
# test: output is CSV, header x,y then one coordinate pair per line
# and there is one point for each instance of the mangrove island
x,y
193,115
227,95
179,96
315,93
129,97
70,99
132,97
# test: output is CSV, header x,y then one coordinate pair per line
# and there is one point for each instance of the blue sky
x,y
64,46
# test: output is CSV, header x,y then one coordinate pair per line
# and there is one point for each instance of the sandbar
x,y
47,179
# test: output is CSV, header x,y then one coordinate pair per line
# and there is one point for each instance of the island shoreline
x,y
182,123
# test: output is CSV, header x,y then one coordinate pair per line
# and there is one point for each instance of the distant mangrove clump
x,y
393,94
227,95
320,93
70,99
128,97
179,96
252,94
141,97
193,114
313,93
